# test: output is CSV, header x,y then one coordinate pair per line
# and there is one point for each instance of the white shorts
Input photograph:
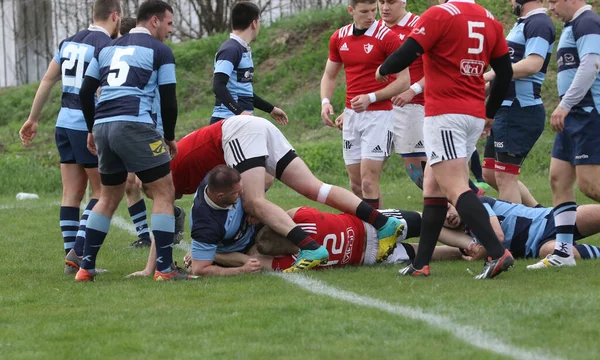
x,y
408,129
367,135
451,136
247,137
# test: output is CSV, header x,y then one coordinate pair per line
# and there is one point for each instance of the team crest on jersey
x,y
157,148
368,48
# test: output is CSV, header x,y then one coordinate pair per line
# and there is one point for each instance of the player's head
x,y
565,9
268,242
453,219
156,16
108,13
517,6
392,11
363,12
245,15
224,185
127,23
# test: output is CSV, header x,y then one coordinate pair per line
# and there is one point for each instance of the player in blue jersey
x,y
520,121
234,69
129,70
531,232
77,164
576,120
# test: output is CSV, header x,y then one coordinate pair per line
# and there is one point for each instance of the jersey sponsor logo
x,y
377,150
157,148
344,47
419,31
499,144
348,252
368,48
472,67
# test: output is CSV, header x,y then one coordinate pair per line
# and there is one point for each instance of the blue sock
x,y
69,223
163,228
588,251
564,220
81,233
95,233
138,215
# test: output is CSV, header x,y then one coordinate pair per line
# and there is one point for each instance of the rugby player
x,y
129,70
408,110
520,120
234,69
576,120
457,39
531,232
77,163
367,134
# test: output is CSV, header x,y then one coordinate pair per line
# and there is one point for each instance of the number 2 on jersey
x,y
473,34
119,78
76,58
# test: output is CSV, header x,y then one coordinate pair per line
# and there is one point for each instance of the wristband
x,y
325,101
416,87
372,97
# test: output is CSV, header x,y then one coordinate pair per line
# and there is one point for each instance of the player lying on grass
x,y
531,232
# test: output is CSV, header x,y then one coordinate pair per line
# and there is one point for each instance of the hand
x,y
557,120
172,145
379,77
187,261
28,131
404,98
339,122
251,266
326,111
91,145
360,103
279,116
488,124
142,273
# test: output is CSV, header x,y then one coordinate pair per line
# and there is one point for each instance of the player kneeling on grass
x,y
531,232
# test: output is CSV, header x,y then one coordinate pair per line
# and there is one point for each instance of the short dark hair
x,y
243,14
127,24
103,9
353,3
150,8
223,178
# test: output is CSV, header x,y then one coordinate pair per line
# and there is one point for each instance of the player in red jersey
x,y
408,111
367,122
458,39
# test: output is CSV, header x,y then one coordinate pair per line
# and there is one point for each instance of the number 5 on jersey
x,y
119,77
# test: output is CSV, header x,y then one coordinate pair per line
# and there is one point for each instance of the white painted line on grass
x,y
470,335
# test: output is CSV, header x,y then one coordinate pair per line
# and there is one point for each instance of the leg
x,y
354,174
370,172
74,182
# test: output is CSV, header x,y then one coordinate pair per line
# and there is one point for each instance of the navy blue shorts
x,y
72,147
516,128
579,142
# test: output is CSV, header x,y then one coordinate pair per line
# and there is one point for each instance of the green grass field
x,y
352,313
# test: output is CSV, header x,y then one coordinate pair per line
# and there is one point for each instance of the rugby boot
x,y
308,259
388,237
552,260
493,267
411,271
